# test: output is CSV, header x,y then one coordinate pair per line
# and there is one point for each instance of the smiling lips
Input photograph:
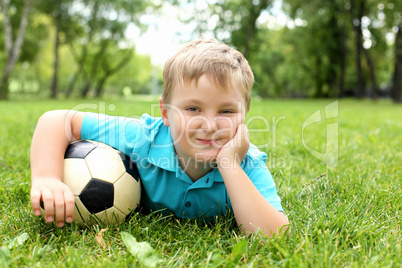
x,y
207,141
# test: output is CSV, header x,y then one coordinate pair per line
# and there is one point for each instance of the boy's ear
x,y
164,112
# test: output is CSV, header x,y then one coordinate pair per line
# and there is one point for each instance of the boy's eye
x,y
192,109
226,112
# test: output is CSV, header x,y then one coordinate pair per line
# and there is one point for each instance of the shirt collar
x,y
161,152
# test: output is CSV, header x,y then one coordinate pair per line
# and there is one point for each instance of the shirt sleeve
x,y
258,172
122,133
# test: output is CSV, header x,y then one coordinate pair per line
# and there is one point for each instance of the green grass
x,y
343,216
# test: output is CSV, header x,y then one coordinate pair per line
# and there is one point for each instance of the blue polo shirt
x,y
165,186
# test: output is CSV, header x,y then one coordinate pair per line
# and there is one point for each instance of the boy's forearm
x,y
55,130
49,143
252,211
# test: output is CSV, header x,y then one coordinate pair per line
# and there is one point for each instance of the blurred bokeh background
x,y
297,49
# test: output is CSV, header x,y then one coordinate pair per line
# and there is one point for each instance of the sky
x,y
161,39
166,32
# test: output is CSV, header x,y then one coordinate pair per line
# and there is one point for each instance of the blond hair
x,y
226,66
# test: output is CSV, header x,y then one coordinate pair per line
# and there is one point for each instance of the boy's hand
x,y
58,200
235,149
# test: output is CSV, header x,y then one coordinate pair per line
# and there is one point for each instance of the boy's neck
x,y
195,170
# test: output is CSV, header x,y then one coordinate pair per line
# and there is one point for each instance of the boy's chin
x,y
208,159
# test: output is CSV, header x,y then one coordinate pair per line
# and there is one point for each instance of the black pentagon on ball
x,y
97,195
131,168
79,149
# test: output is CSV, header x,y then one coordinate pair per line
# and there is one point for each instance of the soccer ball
x,y
104,181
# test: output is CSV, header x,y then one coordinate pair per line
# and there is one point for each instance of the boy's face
x,y
202,118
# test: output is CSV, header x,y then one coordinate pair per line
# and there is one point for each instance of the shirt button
x,y
188,204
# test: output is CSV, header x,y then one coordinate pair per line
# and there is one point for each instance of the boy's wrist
x,y
228,163
36,179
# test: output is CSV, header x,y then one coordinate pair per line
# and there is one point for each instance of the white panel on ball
x,y
127,193
76,168
105,164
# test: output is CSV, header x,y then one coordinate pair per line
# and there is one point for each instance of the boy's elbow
x,y
280,226
66,121
284,224
52,115
281,229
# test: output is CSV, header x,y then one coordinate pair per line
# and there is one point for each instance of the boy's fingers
x,y
59,209
57,202
35,201
69,205
242,134
48,204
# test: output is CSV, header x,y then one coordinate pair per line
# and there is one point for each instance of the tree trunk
x,y
360,81
397,81
101,84
318,78
12,48
4,87
341,91
249,26
85,90
110,72
80,62
374,92
81,59
90,80
55,81
357,15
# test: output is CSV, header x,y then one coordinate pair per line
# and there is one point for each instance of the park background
x,y
303,49
306,56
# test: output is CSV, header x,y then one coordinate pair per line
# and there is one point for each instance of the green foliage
x,y
36,31
344,216
136,76
93,32
313,55
141,250
326,44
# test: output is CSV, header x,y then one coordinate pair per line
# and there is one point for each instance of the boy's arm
x,y
54,131
252,211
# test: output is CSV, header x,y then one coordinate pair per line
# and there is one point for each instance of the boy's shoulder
x,y
254,153
146,123
123,132
150,121
254,159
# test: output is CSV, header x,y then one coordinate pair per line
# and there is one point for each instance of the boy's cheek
x,y
224,135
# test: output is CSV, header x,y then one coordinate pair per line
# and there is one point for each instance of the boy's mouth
x,y
207,141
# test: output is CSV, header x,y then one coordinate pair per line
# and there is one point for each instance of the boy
x,y
195,161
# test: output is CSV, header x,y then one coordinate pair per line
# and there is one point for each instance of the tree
x,y
135,77
109,70
105,26
397,77
357,13
319,36
392,11
65,27
12,46
244,14
339,30
237,23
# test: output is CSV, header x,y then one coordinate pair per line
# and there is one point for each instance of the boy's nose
x,y
209,123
